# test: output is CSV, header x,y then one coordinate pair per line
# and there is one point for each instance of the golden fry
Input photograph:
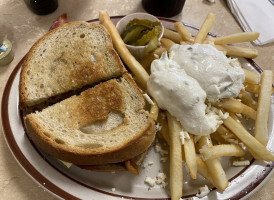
x,y
176,161
147,60
162,120
167,43
172,35
154,111
251,88
222,150
238,51
202,169
226,134
235,106
264,101
248,100
183,32
249,141
237,38
206,26
251,77
190,156
122,50
214,166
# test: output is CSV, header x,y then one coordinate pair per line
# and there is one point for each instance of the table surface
x,y
24,28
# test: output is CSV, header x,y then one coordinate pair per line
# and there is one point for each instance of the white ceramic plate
x,y
76,183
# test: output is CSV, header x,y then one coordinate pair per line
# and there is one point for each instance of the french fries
x,y
238,51
173,36
121,48
251,88
251,77
190,156
261,124
248,139
214,166
203,170
206,26
235,106
230,133
183,32
164,127
154,111
167,43
248,100
222,150
226,134
237,38
176,161
147,60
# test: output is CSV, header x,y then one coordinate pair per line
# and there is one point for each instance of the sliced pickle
x,y
152,45
144,22
139,32
133,34
147,37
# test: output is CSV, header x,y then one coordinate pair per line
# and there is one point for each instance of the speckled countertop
x,y
24,28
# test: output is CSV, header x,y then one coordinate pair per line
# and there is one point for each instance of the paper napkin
x,y
255,15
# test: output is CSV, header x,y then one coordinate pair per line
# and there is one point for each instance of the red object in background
x,y
163,8
59,21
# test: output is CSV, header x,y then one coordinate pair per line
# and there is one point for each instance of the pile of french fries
x,y
201,154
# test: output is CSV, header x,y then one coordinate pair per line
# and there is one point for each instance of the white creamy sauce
x,y
219,76
193,73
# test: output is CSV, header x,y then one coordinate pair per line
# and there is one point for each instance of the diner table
x,y
23,28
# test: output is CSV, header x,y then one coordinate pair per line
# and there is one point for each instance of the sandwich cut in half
x,y
96,115
105,124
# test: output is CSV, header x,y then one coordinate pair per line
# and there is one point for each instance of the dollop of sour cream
x,y
193,73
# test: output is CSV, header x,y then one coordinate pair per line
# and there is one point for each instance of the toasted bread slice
x,y
104,124
67,58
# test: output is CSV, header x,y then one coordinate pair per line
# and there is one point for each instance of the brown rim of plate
x,y
53,188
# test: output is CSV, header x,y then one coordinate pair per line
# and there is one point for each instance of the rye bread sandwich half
x,y
67,58
105,124
104,121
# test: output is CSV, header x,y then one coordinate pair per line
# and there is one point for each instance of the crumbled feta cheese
x,y
160,179
150,181
150,163
113,189
148,99
223,115
203,191
239,115
233,141
241,162
184,135
164,159
155,56
159,149
158,127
